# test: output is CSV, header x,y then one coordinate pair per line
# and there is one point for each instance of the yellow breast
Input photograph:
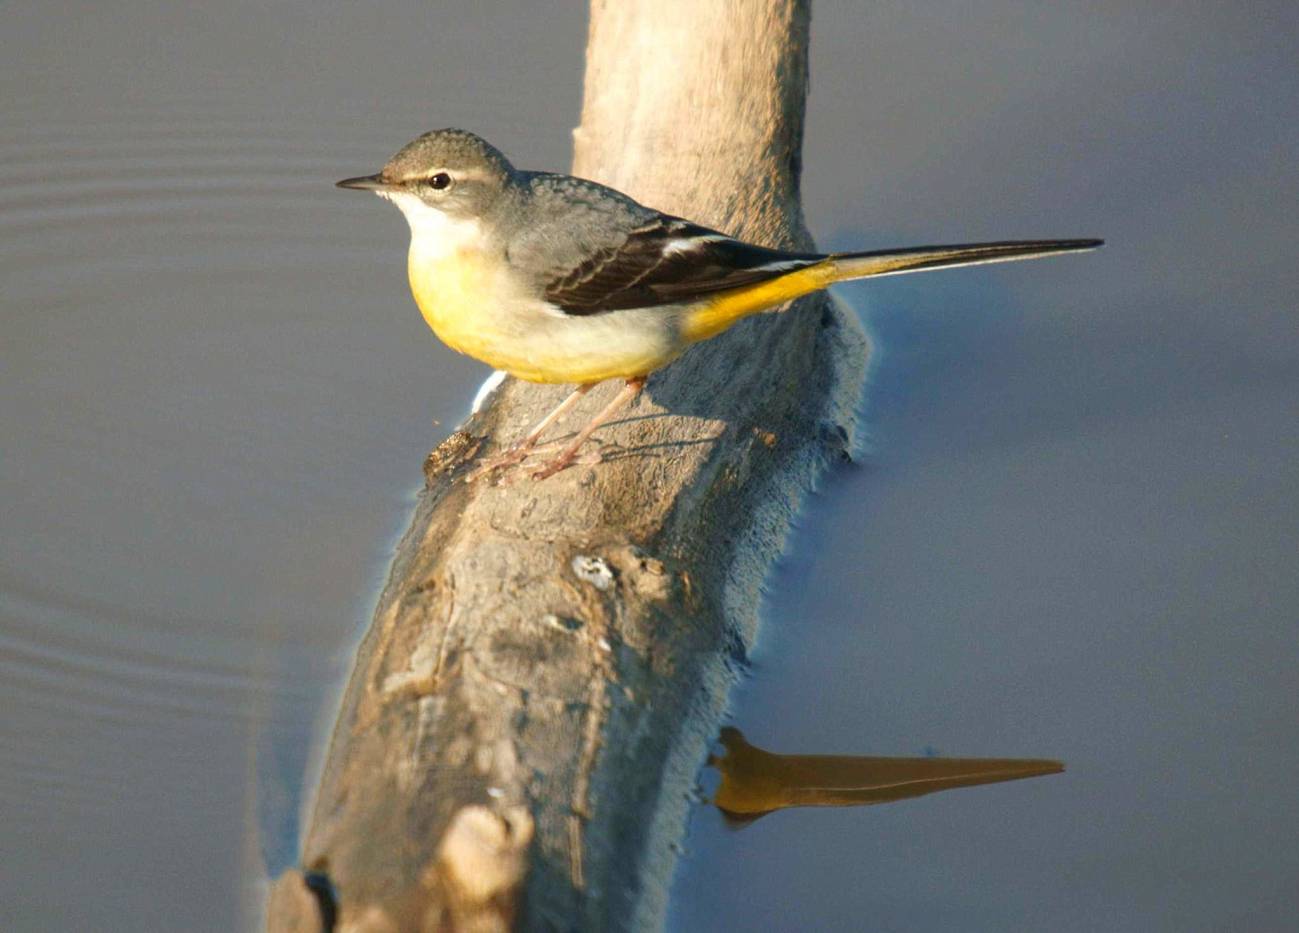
x,y
474,306
454,292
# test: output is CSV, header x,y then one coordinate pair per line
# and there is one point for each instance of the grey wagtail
x,y
559,279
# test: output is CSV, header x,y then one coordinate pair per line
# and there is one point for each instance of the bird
x,y
557,279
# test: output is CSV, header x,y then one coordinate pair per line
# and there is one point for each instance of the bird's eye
x,y
440,182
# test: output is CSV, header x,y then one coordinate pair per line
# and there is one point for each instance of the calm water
x,y
1072,533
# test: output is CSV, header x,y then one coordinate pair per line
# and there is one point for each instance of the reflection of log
x,y
756,782
549,660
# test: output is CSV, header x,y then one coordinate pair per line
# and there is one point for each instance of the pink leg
x,y
520,451
558,412
620,401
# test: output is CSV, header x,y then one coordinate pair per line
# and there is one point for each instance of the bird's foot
x,y
566,459
507,458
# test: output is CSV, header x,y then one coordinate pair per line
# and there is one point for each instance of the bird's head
x,y
446,174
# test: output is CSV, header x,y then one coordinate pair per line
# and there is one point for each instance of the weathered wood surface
x,y
548,662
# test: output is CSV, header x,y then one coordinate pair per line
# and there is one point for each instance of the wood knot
x,y
483,856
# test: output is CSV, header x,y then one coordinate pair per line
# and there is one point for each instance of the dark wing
x,y
666,260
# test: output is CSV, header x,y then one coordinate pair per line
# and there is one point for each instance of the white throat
x,y
433,234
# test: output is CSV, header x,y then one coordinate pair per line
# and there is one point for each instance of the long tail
x,y
715,315
919,258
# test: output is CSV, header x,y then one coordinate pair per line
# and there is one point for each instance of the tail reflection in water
x,y
756,782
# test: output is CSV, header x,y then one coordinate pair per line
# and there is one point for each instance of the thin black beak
x,y
363,183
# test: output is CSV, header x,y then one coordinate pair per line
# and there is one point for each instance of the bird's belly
x,y
476,311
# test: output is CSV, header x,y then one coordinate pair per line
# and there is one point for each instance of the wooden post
x,y
528,714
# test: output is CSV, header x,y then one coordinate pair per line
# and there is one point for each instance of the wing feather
x,y
666,260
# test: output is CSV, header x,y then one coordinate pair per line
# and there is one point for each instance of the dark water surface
x,y
1072,532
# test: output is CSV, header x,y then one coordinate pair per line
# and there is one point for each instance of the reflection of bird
x,y
558,279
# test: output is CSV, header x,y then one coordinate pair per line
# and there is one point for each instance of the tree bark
x,y
527,716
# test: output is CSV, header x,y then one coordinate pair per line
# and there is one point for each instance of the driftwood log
x,y
549,661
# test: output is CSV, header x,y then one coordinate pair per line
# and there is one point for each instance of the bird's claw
x,y
561,462
517,456
506,458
